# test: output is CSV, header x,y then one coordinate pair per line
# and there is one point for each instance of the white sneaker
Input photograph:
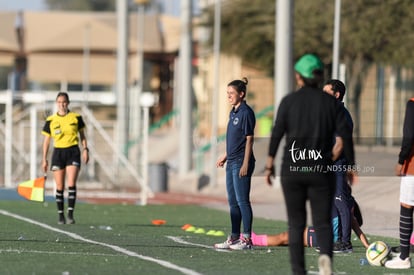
x,y
325,265
397,263
226,244
242,244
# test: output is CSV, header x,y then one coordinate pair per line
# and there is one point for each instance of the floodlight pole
x,y
140,63
214,112
283,50
337,28
122,76
185,89
283,60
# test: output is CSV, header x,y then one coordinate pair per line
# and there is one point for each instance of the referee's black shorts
x,y
63,157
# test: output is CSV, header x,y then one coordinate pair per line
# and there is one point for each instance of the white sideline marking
x,y
114,247
180,240
18,251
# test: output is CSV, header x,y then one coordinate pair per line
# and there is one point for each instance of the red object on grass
x,y
158,222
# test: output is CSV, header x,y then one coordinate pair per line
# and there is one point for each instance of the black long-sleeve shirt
x,y
408,133
310,119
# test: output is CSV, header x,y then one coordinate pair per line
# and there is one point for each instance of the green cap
x,y
307,64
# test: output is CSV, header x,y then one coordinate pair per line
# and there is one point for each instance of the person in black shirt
x,y
343,201
309,119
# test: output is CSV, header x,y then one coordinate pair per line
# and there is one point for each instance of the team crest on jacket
x,y
236,121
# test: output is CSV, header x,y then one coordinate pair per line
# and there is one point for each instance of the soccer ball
x,y
377,253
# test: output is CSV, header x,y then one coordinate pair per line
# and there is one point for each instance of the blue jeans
x,y
238,195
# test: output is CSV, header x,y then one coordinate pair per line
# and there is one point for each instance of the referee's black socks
x,y
71,200
59,202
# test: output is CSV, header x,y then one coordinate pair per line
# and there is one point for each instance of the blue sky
x,y
8,5
171,6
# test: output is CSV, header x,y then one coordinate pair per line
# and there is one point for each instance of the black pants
x,y
319,189
343,203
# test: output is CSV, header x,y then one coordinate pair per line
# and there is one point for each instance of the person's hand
x,y
352,177
337,148
45,164
85,155
398,170
270,175
243,170
221,161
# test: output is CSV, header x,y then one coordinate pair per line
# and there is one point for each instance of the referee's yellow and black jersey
x,y
64,129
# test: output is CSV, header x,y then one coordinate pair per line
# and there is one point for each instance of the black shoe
x,y
337,247
62,220
71,220
347,247
342,247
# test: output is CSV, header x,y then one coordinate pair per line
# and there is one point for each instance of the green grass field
x,y
120,239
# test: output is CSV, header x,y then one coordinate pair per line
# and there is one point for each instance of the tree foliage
x,y
379,30
373,30
246,34
81,5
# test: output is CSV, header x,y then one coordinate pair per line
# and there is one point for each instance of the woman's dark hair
x,y
63,94
239,85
